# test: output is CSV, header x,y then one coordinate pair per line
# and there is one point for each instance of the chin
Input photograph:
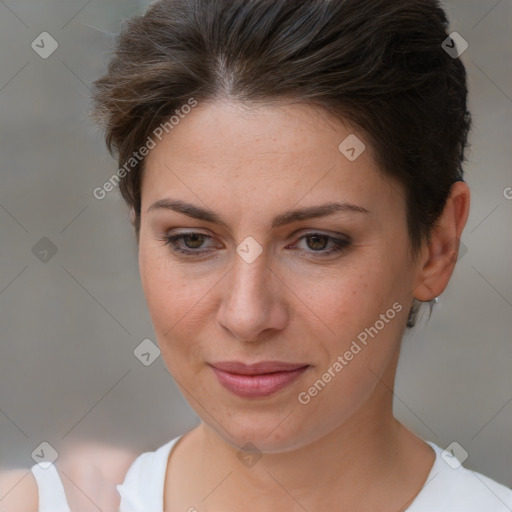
x,y
270,436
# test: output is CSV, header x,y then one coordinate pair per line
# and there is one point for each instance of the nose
x,y
253,303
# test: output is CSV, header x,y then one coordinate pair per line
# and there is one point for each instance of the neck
x,y
371,450
369,461
362,445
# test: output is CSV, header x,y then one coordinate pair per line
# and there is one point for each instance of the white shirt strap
x,y
52,497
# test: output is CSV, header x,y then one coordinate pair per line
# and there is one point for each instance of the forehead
x,y
268,130
278,153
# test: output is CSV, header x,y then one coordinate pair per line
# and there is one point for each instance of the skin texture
x,y
249,164
343,450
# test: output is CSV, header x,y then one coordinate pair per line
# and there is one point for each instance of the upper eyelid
x,y
300,231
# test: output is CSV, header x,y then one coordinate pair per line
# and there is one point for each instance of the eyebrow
x,y
207,215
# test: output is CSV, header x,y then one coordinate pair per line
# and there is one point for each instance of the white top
x,y
450,487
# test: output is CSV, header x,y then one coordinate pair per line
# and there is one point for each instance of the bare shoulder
x,y
18,491
89,473
112,462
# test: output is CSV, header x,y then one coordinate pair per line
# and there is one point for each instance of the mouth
x,y
257,380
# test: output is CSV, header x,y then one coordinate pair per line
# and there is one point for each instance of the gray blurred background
x,y
72,310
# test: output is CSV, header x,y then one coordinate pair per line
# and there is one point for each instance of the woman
x,y
294,173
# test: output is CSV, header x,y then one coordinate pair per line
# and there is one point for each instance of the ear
x,y
439,257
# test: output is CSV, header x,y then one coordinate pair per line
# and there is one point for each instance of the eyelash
x,y
339,244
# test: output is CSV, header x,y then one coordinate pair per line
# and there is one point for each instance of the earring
x,y
433,301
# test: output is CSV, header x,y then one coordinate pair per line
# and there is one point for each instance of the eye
x,y
193,242
319,241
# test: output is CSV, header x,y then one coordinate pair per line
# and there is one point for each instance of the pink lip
x,y
257,380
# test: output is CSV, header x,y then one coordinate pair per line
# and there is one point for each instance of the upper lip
x,y
256,368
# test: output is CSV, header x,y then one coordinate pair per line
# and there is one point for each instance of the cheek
x,y
347,297
360,329
361,303
166,296
177,299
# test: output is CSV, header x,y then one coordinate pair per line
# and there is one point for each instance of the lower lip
x,y
257,386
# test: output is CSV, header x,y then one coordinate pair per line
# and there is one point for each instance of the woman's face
x,y
252,289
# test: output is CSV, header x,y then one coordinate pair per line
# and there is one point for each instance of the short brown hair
x,y
377,63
